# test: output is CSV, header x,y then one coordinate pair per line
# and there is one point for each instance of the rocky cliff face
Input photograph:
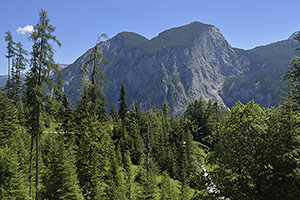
x,y
184,63
180,64
262,78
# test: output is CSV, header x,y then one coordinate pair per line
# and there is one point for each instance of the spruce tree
x,y
60,180
13,177
123,108
8,119
42,65
95,151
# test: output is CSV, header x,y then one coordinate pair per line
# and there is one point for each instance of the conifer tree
x,y
12,176
60,180
130,174
123,108
10,54
92,98
293,75
113,112
42,64
167,189
18,67
95,155
166,108
8,119
148,183
117,188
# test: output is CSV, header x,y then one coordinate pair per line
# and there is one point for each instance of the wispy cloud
x,y
25,29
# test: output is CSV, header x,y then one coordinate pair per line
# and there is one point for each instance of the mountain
x,y
180,64
184,63
262,78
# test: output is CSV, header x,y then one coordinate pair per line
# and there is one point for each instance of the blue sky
x,y
244,23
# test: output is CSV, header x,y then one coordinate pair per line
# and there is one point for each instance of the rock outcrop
x,y
180,64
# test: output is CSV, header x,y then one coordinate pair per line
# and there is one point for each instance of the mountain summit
x,y
180,64
184,63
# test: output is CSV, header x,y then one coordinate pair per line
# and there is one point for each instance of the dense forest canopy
x,y
52,150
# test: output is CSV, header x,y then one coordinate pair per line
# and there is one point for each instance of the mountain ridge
x,y
183,66
185,63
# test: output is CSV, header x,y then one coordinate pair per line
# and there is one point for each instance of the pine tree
x,y
197,113
123,108
42,64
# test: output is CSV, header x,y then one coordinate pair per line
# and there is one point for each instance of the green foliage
x,y
254,151
168,189
60,174
92,98
8,119
19,65
94,156
11,52
264,68
204,119
293,75
37,80
92,102
123,108
13,179
180,36
85,154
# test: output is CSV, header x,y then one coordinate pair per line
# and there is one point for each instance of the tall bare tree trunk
x,y
37,149
30,173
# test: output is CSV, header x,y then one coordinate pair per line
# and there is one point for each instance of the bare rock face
x,y
183,64
180,64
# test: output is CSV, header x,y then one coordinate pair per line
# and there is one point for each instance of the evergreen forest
x,y
51,149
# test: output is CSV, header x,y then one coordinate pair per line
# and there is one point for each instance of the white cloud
x,y
25,29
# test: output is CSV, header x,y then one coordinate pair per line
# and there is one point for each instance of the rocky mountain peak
x,y
182,64
130,38
293,36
